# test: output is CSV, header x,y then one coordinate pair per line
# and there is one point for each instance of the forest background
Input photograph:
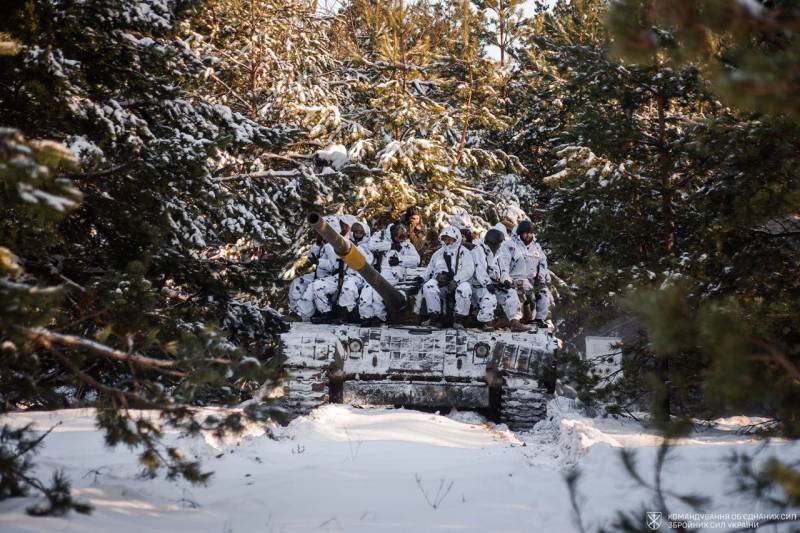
x,y
157,158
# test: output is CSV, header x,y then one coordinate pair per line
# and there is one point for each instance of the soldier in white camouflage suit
x,y
523,265
327,266
449,273
300,284
336,296
486,283
393,253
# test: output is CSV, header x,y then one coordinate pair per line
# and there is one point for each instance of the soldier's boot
x,y
460,321
433,320
353,317
323,318
540,323
518,326
373,322
485,326
340,314
527,314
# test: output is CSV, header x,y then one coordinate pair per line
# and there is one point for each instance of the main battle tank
x,y
507,375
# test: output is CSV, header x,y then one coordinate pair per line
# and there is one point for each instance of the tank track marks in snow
x,y
523,403
304,390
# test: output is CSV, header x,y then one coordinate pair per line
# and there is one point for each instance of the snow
x,y
380,469
754,7
335,154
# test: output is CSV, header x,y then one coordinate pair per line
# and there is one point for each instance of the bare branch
x,y
45,337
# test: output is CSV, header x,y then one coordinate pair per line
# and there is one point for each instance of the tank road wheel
x,y
304,389
523,403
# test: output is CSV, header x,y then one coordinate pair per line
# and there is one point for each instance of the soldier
x,y
336,296
487,281
448,275
424,240
394,253
300,284
523,264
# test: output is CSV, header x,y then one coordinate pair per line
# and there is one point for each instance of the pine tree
x,y
117,294
436,104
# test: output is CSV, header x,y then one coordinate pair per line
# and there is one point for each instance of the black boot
x,y
460,321
339,314
446,321
323,318
353,317
433,320
373,322
485,326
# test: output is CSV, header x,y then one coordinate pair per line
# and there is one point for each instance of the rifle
x,y
339,282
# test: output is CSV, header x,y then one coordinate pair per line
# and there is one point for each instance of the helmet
x,y
399,231
410,212
364,226
451,231
461,219
494,238
526,226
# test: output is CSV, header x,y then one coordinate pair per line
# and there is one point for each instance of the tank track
x,y
304,390
523,403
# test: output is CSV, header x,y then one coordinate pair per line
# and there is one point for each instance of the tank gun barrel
x,y
394,299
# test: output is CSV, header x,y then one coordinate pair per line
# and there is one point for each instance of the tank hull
x,y
417,367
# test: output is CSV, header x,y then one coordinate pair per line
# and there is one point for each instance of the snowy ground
x,y
347,469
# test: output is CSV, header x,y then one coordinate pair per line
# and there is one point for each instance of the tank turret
x,y
394,299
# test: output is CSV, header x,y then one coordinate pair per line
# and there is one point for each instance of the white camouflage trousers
x,y
487,303
512,303
324,291
370,304
297,289
433,297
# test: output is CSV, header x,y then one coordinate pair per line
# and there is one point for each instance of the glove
x,y
491,287
443,279
506,284
394,261
396,246
418,280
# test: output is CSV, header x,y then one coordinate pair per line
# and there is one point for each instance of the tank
x,y
509,376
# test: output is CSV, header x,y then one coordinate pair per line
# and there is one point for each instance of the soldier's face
x,y
526,237
414,220
344,228
447,240
357,233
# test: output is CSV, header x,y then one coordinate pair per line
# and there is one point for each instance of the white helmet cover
x,y
461,220
451,231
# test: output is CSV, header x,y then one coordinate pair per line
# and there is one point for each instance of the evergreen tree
x,y
428,104
120,303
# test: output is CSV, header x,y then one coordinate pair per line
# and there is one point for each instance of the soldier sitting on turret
x,y
393,254
448,278
301,301
523,264
336,296
486,283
